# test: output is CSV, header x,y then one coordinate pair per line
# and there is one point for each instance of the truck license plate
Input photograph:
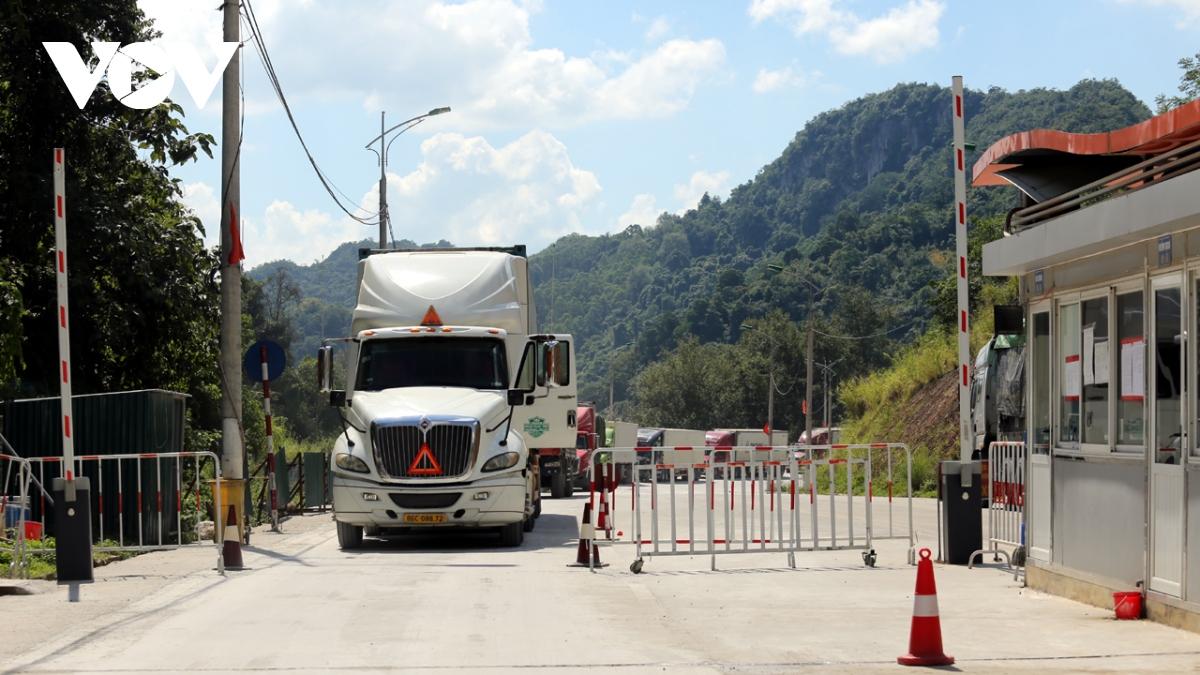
x,y
424,518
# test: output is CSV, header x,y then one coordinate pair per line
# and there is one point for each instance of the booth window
x,y
1070,374
1040,380
1094,365
1131,371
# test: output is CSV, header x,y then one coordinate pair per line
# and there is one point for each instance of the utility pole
x,y
382,186
771,392
232,451
808,358
825,388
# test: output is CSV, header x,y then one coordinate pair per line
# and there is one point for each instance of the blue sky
x,y
587,116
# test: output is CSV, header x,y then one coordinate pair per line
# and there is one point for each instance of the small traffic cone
x,y
602,523
587,539
925,638
232,547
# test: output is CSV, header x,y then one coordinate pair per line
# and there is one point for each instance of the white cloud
x,y
1189,10
901,31
643,211
783,78
201,198
701,183
528,191
659,28
477,56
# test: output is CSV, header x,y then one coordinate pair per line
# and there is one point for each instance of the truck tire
x,y
349,536
559,486
513,534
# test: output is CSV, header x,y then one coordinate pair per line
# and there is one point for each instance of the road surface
x,y
451,603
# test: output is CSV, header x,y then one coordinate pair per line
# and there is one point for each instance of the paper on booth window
x,y
1133,369
1089,342
1070,388
1100,361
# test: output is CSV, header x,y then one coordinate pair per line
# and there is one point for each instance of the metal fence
x,y
1006,504
727,500
139,501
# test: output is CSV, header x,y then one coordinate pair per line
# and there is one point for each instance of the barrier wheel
x,y
636,566
869,558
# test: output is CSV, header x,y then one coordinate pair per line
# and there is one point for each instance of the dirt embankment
x,y
927,421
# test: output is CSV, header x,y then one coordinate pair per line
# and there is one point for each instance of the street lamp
x,y
384,146
770,377
611,357
827,369
808,351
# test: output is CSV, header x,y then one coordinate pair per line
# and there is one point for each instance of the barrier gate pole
x,y
266,395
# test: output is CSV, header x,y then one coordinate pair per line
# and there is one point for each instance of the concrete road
x,y
454,602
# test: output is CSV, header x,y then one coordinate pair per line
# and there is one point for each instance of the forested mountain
x,y
854,216
856,211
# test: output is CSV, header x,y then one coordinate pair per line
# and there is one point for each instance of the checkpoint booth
x,y
1106,246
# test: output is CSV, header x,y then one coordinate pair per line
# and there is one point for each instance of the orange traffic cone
x,y
587,540
232,547
925,639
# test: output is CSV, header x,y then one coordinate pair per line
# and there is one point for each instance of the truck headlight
x,y
502,461
348,462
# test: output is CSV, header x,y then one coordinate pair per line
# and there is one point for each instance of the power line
x,y
865,337
269,67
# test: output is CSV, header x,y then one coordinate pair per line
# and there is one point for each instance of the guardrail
x,y
138,500
745,499
1006,504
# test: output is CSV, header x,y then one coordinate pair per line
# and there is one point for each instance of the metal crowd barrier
x,y
1006,504
17,479
138,500
746,499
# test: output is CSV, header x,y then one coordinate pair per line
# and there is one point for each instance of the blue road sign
x,y
276,360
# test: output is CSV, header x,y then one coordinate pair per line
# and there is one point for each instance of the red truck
x,y
564,469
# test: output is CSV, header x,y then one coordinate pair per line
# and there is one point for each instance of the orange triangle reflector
x,y
431,317
424,464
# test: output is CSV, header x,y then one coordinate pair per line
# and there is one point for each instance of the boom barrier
x,y
140,502
748,499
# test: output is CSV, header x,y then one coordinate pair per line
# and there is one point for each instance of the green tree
x,y
1189,85
143,306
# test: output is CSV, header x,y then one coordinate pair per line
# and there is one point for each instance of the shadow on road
x,y
552,531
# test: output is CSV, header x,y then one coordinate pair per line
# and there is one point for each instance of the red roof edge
x,y
1153,136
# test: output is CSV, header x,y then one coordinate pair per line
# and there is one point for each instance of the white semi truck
x,y
448,393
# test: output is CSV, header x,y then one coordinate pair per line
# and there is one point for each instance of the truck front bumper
x,y
488,502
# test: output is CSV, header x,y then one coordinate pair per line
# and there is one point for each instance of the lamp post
x,y
770,378
808,352
827,369
384,146
611,356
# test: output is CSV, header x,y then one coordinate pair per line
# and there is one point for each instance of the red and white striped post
x,y
64,335
960,239
266,393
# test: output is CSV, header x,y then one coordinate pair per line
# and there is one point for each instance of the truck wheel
x,y
513,534
349,536
559,486
528,523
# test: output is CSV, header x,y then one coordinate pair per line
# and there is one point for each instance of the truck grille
x,y
452,446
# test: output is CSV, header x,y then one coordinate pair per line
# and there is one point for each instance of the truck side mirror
x,y
337,398
516,397
325,368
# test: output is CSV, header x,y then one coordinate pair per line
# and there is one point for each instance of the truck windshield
x,y
476,363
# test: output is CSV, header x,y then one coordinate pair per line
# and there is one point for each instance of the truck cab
x,y
448,395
